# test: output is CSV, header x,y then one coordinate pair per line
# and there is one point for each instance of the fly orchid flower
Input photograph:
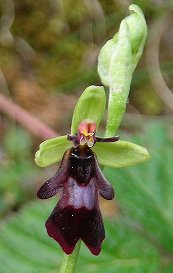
x,y
79,177
77,215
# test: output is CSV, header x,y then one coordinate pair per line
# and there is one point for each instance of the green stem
x,y
70,261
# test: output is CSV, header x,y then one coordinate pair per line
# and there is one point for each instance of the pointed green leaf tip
x,y
120,154
91,105
51,151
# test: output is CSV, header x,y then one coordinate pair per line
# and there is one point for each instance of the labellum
x,y
80,180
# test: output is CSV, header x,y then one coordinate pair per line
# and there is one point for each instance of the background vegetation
x,y
48,55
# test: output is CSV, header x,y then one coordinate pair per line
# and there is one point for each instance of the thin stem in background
x,y
28,121
157,29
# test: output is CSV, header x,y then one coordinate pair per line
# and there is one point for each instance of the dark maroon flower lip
x,y
74,224
77,214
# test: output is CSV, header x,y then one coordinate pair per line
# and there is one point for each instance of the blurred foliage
x,y
56,46
139,233
18,173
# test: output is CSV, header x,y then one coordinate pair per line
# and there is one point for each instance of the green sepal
x,y
91,105
120,154
51,151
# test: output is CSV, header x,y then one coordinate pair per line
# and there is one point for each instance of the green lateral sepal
x,y
51,151
120,154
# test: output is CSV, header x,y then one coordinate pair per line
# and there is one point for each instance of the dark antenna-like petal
x,y
107,139
105,188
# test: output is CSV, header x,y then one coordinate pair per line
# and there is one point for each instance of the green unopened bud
x,y
117,61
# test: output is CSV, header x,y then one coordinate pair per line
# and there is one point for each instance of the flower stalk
x,y
70,261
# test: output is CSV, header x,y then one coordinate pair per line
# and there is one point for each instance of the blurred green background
x,y
48,56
